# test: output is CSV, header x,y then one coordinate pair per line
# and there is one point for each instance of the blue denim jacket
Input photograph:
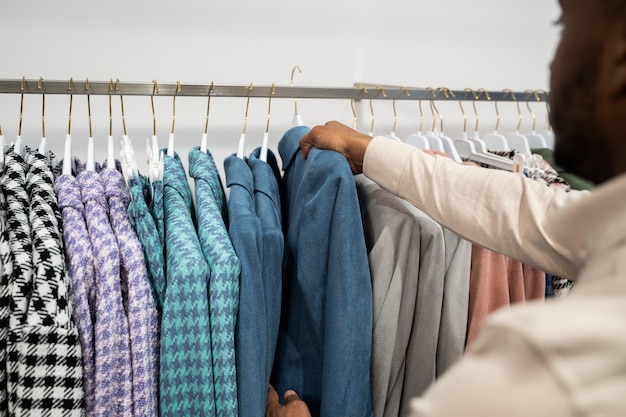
x,y
325,336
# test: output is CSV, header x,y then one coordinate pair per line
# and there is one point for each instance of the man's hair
x,y
615,9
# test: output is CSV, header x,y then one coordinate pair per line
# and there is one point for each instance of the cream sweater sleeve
x,y
502,211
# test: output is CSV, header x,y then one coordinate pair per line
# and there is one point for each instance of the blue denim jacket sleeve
x,y
325,336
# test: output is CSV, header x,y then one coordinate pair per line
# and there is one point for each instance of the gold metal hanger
x,y
69,117
22,87
43,107
519,112
269,106
155,90
245,119
88,107
117,88
295,102
208,106
178,90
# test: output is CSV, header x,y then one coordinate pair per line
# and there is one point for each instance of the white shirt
x,y
563,357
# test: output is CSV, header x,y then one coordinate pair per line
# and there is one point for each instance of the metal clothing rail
x,y
358,92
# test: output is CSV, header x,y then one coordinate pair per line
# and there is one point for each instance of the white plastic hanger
x,y
266,135
419,140
494,141
448,143
43,145
155,159
474,150
170,142
297,119
516,140
68,158
130,168
91,153
19,147
242,137
203,142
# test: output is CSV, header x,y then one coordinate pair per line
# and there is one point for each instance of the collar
x,y
594,225
289,145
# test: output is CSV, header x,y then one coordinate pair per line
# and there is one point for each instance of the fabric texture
x,y
224,267
267,202
251,329
186,384
141,307
82,275
325,335
557,357
44,357
114,387
5,298
146,230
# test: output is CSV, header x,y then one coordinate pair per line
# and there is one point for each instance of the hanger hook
x,y
532,114
545,93
363,90
295,102
110,107
432,106
208,106
269,106
178,89
245,119
69,117
476,96
379,89
22,87
155,90
43,107
88,107
117,88
519,112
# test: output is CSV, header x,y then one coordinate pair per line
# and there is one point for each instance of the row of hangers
x,y
468,146
127,154
471,146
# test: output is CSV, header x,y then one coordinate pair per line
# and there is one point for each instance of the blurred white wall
x,y
491,44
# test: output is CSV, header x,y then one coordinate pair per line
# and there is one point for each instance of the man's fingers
x,y
291,396
272,396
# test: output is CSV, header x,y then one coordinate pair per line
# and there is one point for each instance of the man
x,y
564,357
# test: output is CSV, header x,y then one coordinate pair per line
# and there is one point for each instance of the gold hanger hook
x,y
43,107
269,106
155,90
178,89
22,86
295,102
110,107
88,107
464,116
476,96
117,88
208,106
532,114
545,93
354,116
69,117
379,89
245,119
432,106
393,105
519,111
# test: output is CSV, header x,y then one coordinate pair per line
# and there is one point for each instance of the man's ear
x,y
618,74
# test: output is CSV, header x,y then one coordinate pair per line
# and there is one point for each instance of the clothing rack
x,y
360,91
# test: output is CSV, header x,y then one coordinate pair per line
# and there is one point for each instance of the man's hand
x,y
338,137
294,406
